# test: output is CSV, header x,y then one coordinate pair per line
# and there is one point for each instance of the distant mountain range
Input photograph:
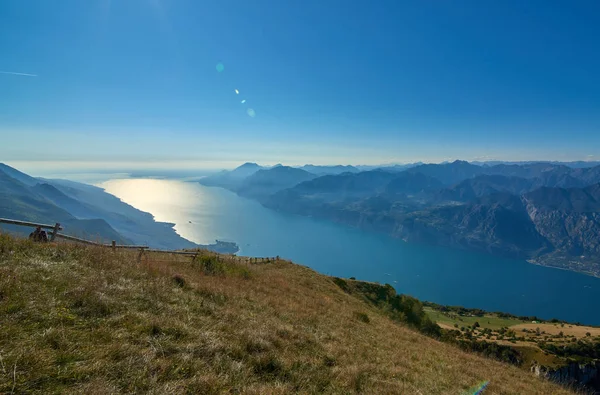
x,y
548,213
83,210
573,164
323,170
264,183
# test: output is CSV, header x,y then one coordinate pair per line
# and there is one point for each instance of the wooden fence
x,y
56,227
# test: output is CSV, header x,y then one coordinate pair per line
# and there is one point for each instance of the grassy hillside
x,y
551,343
88,320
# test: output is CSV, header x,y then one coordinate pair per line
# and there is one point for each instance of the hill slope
x,y
87,320
84,211
24,202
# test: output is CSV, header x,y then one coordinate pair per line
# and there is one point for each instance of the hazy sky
x,y
109,83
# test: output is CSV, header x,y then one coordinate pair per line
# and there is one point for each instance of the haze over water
x,y
446,276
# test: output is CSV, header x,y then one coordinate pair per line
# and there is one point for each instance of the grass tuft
x,y
179,280
362,317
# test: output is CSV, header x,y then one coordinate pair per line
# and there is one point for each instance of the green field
x,y
487,321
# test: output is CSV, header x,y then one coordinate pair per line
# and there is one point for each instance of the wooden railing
x,y
54,233
56,227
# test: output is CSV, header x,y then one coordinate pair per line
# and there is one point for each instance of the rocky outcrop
x,y
497,225
585,374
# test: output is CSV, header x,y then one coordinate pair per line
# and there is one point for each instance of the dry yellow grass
x,y
87,320
555,329
445,326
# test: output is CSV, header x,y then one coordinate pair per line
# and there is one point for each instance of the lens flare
x,y
251,112
220,67
237,92
478,389
243,101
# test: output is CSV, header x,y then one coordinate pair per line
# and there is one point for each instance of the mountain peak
x,y
248,165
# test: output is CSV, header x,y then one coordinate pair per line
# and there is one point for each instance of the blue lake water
x,y
441,275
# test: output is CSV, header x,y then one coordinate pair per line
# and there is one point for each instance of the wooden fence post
x,y
139,258
114,245
54,231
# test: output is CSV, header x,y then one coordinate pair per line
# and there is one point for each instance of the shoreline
x,y
409,251
222,247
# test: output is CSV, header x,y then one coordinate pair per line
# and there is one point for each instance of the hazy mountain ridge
x,y
266,182
23,202
323,170
388,167
84,211
17,175
573,164
449,173
230,179
548,174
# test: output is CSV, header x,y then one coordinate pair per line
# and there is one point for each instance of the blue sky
x,y
135,83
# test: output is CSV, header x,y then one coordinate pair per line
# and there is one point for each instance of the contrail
x,y
13,73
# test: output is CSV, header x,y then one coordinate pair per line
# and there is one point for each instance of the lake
x,y
441,275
